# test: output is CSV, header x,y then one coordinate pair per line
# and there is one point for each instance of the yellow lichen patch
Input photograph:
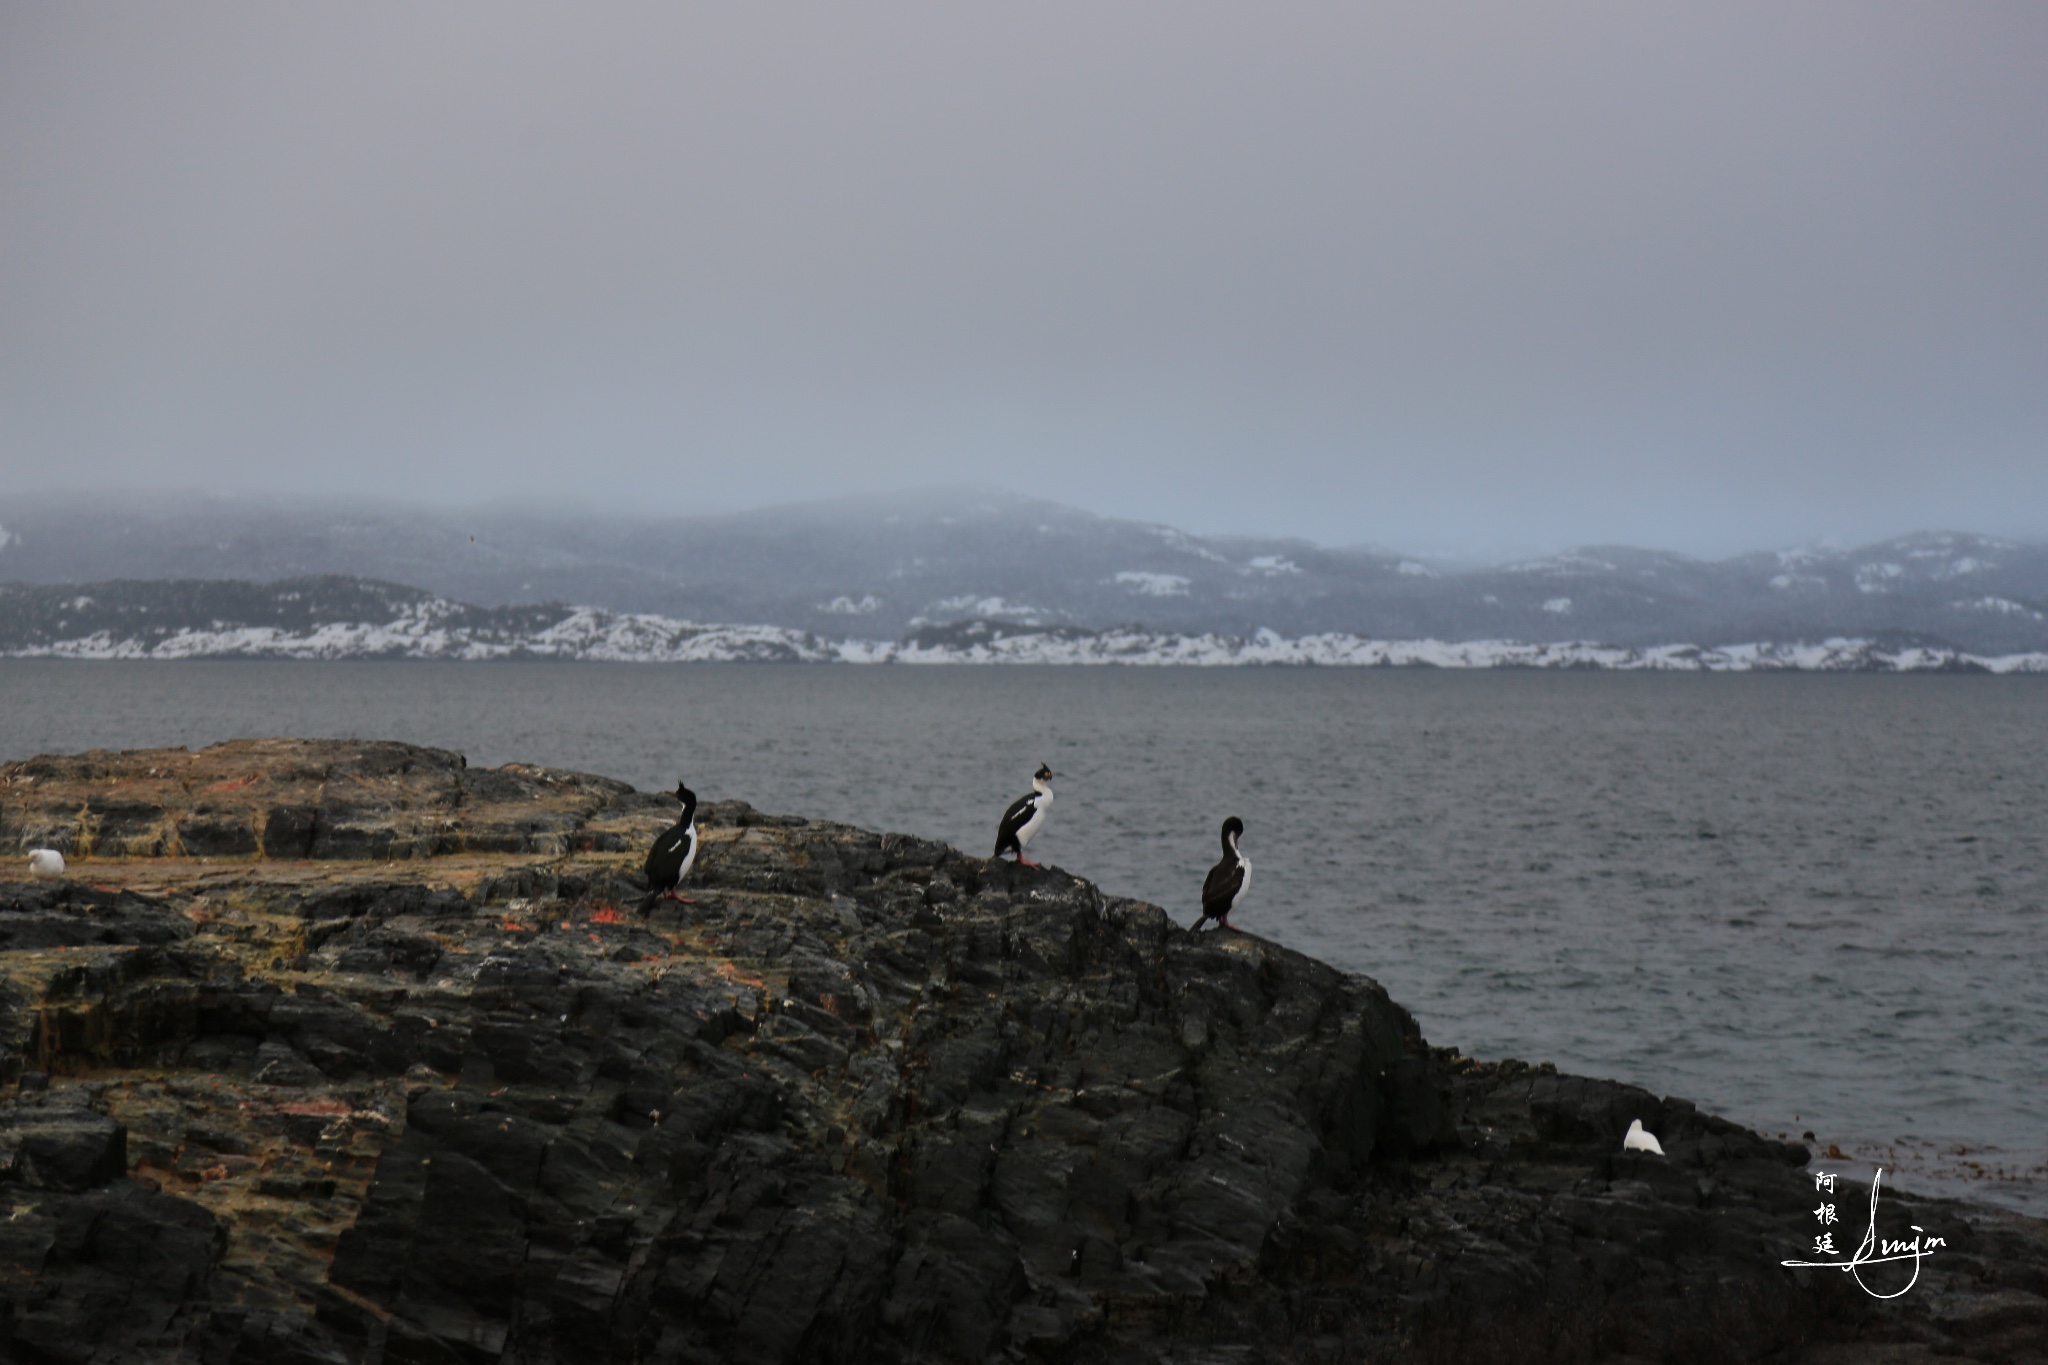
x,y
285,1168
85,825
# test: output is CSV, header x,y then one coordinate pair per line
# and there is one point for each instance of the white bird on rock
x,y
45,864
1641,1139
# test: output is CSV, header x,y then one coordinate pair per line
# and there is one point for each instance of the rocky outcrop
x,y
333,800
434,1093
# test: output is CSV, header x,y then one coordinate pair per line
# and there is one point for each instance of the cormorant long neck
x,y
1230,843
1041,786
689,807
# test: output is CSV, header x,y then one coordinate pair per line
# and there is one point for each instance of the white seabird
x,y
45,864
1641,1139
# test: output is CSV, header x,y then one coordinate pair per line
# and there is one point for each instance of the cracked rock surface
x,y
346,1052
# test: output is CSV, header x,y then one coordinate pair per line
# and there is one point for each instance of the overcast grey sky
x,y
1442,277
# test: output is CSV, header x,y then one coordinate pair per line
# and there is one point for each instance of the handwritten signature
x,y
1875,1250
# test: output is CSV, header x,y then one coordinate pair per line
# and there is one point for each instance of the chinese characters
x,y
1872,1250
1824,1244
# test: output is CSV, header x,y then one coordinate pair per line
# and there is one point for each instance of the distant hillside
x,y
878,571
336,617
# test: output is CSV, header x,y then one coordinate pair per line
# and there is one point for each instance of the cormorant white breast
x,y
1024,818
1225,884
669,861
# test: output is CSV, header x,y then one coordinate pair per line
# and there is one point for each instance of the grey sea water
x,y
1807,902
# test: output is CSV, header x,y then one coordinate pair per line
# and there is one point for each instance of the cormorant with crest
x,y
669,861
1225,884
1025,817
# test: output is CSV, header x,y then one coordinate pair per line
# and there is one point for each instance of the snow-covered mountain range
x,y
349,618
909,577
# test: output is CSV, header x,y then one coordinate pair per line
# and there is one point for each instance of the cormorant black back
x,y
673,854
1226,882
1025,817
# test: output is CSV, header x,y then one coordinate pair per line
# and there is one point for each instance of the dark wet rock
x,y
207,831
869,1099
120,1274
57,1145
41,915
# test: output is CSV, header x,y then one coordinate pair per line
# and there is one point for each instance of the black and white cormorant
x,y
668,862
1225,884
1024,818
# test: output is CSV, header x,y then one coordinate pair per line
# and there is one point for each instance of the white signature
x,y
1875,1250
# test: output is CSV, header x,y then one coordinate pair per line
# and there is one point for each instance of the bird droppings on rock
x,y
867,1100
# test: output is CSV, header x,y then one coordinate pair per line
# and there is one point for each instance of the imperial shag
x,y
668,862
1225,884
1022,821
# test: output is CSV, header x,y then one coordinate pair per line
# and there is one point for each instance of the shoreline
x,y
867,1090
